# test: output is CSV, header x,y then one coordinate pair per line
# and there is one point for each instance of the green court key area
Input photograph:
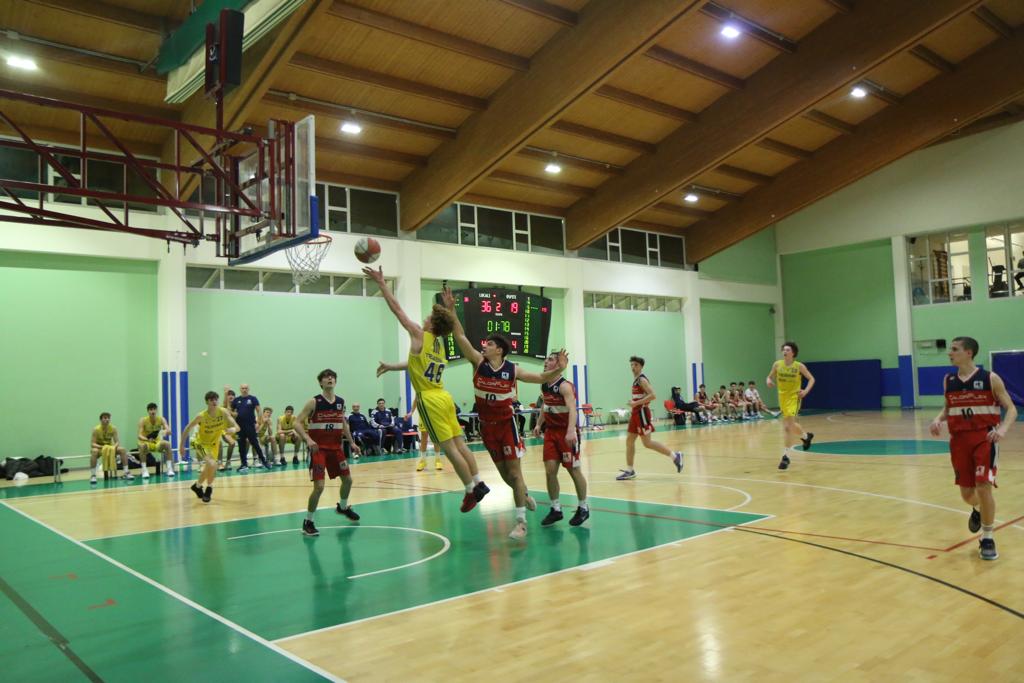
x,y
264,575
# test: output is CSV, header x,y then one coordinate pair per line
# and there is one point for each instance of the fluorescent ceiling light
x,y
730,32
553,168
859,92
351,127
21,63
691,198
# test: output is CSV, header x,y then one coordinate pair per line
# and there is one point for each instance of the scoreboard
x,y
522,318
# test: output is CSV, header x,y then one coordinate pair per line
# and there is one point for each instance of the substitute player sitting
x,y
152,430
105,435
214,423
558,421
265,436
327,427
425,364
494,384
286,434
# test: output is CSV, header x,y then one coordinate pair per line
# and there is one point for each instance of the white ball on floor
x,y
20,477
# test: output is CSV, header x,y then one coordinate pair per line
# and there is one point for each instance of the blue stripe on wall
x,y
165,404
586,385
702,380
408,393
890,381
693,368
183,415
906,378
174,404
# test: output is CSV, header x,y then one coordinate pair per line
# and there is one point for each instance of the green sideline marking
x,y
881,447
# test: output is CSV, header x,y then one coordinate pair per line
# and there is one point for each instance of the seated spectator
x,y
467,424
408,432
727,408
383,421
753,397
686,406
712,409
365,435
736,400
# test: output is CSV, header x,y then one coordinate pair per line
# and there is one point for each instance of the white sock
x,y
785,452
309,516
556,506
343,503
521,515
469,488
584,504
804,435
477,479
986,531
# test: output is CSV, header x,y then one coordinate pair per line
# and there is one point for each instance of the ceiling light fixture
x,y
21,63
859,92
351,128
691,198
553,168
730,31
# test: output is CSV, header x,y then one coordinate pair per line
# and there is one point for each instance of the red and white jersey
x,y
970,403
638,391
327,423
556,412
495,391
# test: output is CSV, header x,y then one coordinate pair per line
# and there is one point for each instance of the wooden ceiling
x,y
639,102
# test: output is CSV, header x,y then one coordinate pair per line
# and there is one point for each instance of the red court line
x,y
971,538
778,531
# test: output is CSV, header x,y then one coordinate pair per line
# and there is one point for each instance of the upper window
x,y
349,209
636,246
940,268
482,226
1004,249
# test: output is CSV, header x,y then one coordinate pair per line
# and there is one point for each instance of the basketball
x,y
367,250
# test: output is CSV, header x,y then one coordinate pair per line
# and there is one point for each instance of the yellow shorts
x,y
154,445
437,415
789,404
204,452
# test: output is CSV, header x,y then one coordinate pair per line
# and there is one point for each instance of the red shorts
x,y
640,421
973,457
501,439
556,449
331,460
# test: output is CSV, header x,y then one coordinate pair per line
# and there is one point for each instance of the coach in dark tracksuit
x,y
247,407
384,422
363,432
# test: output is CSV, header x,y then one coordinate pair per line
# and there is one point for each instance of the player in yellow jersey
x,y
213,423
105,434
787,373
266,438
152,430
286,434
426,364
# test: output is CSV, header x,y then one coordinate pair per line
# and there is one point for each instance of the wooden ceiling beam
x,y
749,27
560,15
111,14
844,6
580,163
90,100
346,72
984,81
784,149
743,174
993,21
830,121
331,146
880,92
308,106
326,175
429,36
651,227
574,63
830,58
261,65
687,211
512,204
542,183
933,59
708,73
47,53
646,103
613,139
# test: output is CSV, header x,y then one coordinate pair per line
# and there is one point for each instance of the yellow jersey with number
x,y
211,427
787,377
427,366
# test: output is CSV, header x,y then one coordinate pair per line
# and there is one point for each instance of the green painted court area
x,y
882,447
264,575
67,615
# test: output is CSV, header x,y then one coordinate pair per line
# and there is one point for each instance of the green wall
x,y
613,336
752,261
278,343
458,377
997,324
738,341
78,339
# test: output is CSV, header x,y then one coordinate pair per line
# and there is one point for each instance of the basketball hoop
x,y
305,259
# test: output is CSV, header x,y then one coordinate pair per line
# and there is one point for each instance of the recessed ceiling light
x,y
858,92
351,127
22,63
691,198
730,32
553,168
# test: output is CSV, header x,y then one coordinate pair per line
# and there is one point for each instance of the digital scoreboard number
x,y
522,318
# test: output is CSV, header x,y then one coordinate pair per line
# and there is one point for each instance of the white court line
x,y
444,539
194,605
502,587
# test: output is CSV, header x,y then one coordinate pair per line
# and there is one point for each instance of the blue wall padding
x,y
891,382
1009,365
846,385
906,370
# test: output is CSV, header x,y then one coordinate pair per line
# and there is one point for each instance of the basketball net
x,y
305,259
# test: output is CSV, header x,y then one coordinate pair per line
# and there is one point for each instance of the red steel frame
x,y
220,163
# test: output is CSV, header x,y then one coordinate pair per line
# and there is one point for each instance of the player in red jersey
x,y
641,423
327,428
973,400
558,421
494,384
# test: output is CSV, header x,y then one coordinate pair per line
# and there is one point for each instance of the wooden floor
x,y
864,569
